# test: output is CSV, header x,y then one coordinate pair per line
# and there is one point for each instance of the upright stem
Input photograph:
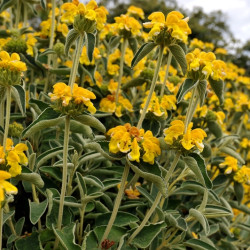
x,y
117,203
76,58
82,212
7,115
157,199
18,10
152,88
64,177
123,49
1,226
166,74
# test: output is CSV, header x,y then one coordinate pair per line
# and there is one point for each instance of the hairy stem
x,y
157,199
7,115
64,177
117,203
166,74
152,88
76,58
123,49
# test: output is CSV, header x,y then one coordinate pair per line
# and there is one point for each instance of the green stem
x,y
1,226
123,49
117,203
152,88
133,180
7,115
51,42
18,10
76,58
166,74
157,199
204,201
82,212
64,177
191,108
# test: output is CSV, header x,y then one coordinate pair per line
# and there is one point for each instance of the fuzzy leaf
x,y
70,39
233,153
218,88
133,44
37,210
239,191
66,237
33,178
48,118
147,234
19,95
114,42
142,52
201,218
90,45
202,89
215,128
186,86
198,245
179,56
5,4
29,242
91,121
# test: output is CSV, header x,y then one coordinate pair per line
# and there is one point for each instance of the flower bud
x,y
59,49
83,24
15,129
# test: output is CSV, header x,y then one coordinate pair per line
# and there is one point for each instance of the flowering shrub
x,y
123,135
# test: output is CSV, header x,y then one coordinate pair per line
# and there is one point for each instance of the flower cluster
x,y
75,102
160,105
127,26
174,24
231,163
201,65
85,17
5,186
13,157
129,139
174,135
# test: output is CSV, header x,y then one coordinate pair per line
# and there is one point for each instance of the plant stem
x,y
117,203
76,57
82,211
1,226
157,199
18,10
64,177
7,116
151,91
51,42
123,49
166,74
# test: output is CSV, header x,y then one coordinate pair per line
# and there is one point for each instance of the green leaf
x,y
239,191
202,89
60,71
19,95
66,237
147,234
90,241
8,215
37,210
77,127
142,52
201,218
157,180
97,147
151,199
216,211
198,245
19,226
186,86
218,88
29,242
5,4
114,42
70,39
179,56
133,44
233,153
196,164
81,185
89,70
90,45
43,4
46,119
133,83
215,129
33,178
91,121
47,52
122,219
40,104
179,222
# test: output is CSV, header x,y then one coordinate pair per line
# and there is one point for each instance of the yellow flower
x,y
243,175
174,24
133,193
61,91
84,58
12,62
174,131
221,51
135,12
127,26
245,143
5,186
231,163
134,155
